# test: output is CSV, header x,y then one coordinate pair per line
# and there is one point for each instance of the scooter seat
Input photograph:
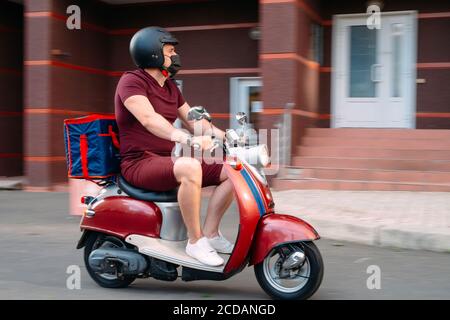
x,y
147,195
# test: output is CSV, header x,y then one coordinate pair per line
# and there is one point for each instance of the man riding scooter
x,y
147,102
145,221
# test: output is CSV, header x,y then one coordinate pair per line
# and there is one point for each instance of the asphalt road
x,y
38,238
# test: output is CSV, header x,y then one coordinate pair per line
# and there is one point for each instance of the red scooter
x,y
131,233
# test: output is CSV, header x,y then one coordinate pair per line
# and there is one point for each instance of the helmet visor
x,y
168,39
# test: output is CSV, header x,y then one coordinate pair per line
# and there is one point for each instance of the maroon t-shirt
x,y
134,137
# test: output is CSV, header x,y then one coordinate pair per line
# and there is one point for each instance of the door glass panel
x,y
254,103
397,40
363,55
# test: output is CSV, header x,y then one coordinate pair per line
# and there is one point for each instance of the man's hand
x,y
205,142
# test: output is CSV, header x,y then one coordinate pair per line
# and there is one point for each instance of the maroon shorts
x,y
155,173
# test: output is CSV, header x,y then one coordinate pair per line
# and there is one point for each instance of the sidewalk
x,y
401,219
409,220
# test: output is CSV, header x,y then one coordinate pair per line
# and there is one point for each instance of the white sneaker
x,y
221,244
203,252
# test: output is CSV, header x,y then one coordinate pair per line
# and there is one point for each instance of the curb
x,y
404,237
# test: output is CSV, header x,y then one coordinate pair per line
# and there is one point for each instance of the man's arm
x,y
205,125
144,112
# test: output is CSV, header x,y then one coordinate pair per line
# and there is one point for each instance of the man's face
x,y
168,51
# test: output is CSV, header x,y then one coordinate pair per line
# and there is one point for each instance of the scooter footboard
x,y
275,229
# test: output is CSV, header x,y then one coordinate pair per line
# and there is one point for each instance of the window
x,y
316,43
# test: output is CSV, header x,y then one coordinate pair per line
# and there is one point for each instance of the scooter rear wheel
x,y
296,284
94,241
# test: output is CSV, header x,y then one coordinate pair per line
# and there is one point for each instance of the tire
x,y
91,245
316,269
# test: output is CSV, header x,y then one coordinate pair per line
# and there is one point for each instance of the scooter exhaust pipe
x,y
124,261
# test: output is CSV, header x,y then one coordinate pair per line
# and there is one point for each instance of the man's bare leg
x,y
188,172
218,204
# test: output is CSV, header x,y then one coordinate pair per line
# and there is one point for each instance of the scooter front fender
x,y
276,229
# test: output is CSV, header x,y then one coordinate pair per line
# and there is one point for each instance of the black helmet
x,y
147,44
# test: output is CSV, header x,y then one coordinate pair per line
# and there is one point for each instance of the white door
x,y
373,82
245,96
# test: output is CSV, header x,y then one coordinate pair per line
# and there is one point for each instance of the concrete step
x,y
415,144
367,163
370,159
402,176
356,185
333,151
379,133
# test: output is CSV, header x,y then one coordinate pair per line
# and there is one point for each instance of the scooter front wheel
x,y
291,271
106,280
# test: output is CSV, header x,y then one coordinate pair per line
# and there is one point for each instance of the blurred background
x,y
362,99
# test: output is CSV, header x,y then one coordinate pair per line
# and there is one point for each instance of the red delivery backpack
x,y
92,147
